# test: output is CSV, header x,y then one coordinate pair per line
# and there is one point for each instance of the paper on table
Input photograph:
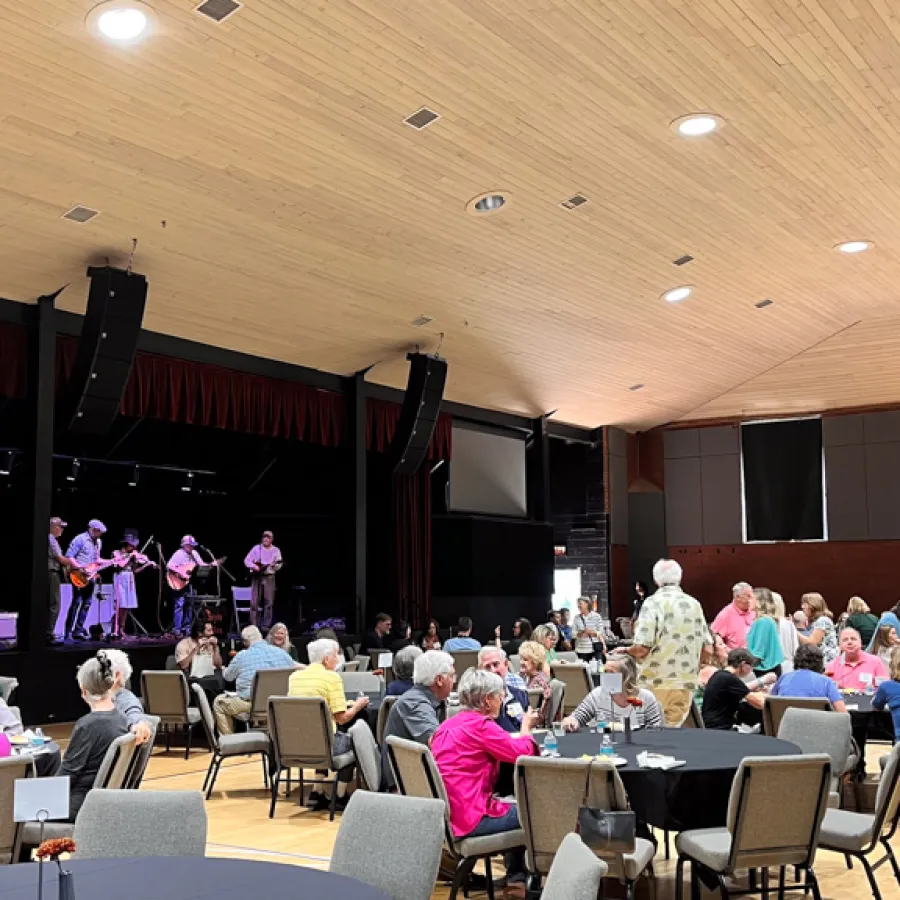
x,y
852,706
654,761
385,660
33,797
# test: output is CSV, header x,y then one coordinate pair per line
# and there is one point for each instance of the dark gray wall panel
x,y
720,440
646,534
883,490
720,478
682,442
618,442
845,476
882,427
618,500
842,431
684,515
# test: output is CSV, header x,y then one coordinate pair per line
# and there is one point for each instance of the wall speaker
x,y
109,337
419,414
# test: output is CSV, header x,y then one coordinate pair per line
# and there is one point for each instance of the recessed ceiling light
x,y
696,125
121,21
676,295
854,246
488,203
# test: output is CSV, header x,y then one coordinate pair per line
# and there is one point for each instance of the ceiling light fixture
x,y
696,125
676,295
854,246
188,481
76,466
135,476
488,203
121,21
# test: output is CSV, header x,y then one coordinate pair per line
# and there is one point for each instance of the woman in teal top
x,y
764,638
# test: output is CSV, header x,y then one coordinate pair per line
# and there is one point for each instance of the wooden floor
x,y
240,827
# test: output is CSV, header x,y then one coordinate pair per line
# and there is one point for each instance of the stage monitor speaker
x,y
106,350
419,414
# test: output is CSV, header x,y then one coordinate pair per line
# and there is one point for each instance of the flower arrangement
x,y
54,848
635,701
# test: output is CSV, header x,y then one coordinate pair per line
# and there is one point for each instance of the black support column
x,y
538,471
356,415
33,624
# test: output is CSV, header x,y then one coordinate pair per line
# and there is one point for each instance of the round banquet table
x,y
185,878
694,795
46,760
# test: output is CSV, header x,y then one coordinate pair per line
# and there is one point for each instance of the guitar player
x,y
56,562
182,564
84,551
263,561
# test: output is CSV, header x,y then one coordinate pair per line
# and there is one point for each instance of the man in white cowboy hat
x,y
85,550
183,562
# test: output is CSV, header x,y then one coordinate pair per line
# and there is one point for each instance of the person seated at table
x,y
379,637
319,679
884,642
713,659
125,701
431,639
808,680
888,694
854,669
860,617
200,659
9,724
521,632
468,750
548,637
403,667
417,713
279,636
515,699
257,655
93,733
400,636
890,617
463,639
565,629
532,661
638,704
730,699
764,636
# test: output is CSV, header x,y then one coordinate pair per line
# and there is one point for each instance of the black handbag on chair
x,y
603,830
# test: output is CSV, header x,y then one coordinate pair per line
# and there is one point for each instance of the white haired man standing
x,y
733,623
258,654
669,638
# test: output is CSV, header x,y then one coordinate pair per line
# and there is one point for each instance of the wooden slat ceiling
x,y
282,207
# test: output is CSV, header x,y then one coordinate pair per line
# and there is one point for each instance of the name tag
x,y
514,710
865,677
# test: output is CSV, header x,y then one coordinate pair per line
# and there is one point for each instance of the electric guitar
x,y
179,577
86,574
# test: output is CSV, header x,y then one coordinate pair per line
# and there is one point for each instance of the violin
x,y
133,557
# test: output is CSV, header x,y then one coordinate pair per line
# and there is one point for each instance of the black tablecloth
x,y
47,762
694,795
185,878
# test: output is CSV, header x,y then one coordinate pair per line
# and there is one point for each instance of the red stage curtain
x,y
381,422
13,360
412,545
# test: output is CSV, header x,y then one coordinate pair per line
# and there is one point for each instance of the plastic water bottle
x,y
606,748
550,744
37,738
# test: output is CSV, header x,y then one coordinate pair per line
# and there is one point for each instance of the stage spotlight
x,y
6,462
76,466
135,476
188,482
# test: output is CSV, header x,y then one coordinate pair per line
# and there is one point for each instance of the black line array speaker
x,y
106,350
419,414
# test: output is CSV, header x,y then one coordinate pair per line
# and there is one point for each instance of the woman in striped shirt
x,y
588,630
604,706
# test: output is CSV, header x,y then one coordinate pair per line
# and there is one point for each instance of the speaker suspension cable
x,y
131,257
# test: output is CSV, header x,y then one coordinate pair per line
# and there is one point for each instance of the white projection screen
x,y
487,473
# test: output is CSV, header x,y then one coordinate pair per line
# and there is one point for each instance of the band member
x,y
56,562
85,551
127,562
263,561
182,564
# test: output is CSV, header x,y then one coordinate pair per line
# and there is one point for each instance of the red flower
x,y
55,847
635,701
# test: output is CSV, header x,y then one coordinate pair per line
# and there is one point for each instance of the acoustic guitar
x,y
86,574
179,577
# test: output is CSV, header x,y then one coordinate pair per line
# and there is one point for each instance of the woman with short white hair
x,y
402,667
126,702
468,749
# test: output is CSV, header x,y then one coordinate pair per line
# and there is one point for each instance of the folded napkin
x,y
657,761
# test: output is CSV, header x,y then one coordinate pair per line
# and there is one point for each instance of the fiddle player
x,y
127,562
263,561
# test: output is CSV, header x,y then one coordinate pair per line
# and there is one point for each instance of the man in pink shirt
x,y
733,623
854,669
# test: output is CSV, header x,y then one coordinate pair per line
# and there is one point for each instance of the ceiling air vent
x,y
764,303
218,10
420,321
682,260
81,214
422,119
574,202
636,387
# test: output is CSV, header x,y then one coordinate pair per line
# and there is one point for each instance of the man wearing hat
x,y
84,551
128,562
55,562
263,561
183,562
730,698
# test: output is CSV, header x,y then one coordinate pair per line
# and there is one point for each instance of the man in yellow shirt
x,y
319,679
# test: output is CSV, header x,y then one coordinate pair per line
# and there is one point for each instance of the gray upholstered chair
x,y
557,698
302,733
368,757
549,793
363,663
390,842
141,823
462,660
694,718
362,683
223,746
387,704
576,873
351,666
515,663
417,775
763,831
775,708
11,770
577,680
8,687
165,694
266,683
568,656
859,834
141,757
816,731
